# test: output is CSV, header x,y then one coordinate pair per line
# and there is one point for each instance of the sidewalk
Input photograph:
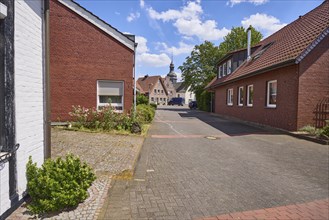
x,y
318,210
108,155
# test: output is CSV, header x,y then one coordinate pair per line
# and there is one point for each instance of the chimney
x,y
249,43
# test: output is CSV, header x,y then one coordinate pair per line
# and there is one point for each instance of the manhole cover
x,y
211,137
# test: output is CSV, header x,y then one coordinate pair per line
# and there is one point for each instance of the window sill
x,y
240,105
250,106
270,107
229,105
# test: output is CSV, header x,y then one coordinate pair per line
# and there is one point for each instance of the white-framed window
x,y
271,93
110,93
229,97
229,67
240,96
224,69
221,71
250,95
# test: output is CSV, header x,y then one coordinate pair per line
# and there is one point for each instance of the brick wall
x,y
313,83
29,101
81,54
283,116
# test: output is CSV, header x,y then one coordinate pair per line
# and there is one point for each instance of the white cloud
x,y
142,3
183,48
255,2
133,16
154,60
267,24
144,58
188,21
142,47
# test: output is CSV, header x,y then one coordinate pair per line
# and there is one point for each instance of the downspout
x,y
46,84
134,72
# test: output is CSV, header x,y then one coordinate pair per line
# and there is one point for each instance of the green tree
x,y
237,39
199,68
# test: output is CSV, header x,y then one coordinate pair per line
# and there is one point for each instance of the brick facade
x,y
81,54
313,82
285,113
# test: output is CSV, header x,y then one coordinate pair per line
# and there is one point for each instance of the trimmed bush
x,y
57,184
155,106
142,99
145,114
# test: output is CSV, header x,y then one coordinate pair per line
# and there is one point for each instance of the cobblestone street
x,y
195,165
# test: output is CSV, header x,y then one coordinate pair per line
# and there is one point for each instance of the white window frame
x,y
239,95
229,67
224,69
268,93
229,98
248,95
219,72
112,104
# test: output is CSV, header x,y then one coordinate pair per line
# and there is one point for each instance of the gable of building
x,y
127,40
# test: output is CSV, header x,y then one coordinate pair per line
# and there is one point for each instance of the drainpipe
x,y
249,43
134,72
46,84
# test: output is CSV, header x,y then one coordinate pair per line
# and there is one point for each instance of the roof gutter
x,y
255,73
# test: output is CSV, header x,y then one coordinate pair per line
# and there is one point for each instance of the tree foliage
x,y
200,67
237,39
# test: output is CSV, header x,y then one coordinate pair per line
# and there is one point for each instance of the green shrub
x,y
325,131
203,99
155,106
104,119
57,184
142,99
145,113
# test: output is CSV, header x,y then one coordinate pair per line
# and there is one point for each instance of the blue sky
x,y
166,27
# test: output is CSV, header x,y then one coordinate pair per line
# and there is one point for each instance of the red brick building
x,y
285,79
91,63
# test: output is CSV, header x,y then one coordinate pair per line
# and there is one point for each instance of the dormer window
x,y
229,67
224,69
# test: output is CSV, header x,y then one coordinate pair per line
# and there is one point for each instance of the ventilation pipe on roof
x,y
249,43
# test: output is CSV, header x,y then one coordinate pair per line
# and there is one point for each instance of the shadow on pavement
x,y
231,127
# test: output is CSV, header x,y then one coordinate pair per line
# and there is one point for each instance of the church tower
x,y
172,75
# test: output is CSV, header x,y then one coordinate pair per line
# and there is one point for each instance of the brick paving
x,y
317,210
246,168
107,154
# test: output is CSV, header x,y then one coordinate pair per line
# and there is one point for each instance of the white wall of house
x,y
189,96
29,101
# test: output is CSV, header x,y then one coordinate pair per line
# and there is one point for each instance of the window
x,y
229,66
240,96
250,95
110,92
224,69
160,99
221,71
271,94
178,95
161,91
164,99
155,91
152,99
230,97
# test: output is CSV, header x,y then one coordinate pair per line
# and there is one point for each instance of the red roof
x,y
147,83
287,46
